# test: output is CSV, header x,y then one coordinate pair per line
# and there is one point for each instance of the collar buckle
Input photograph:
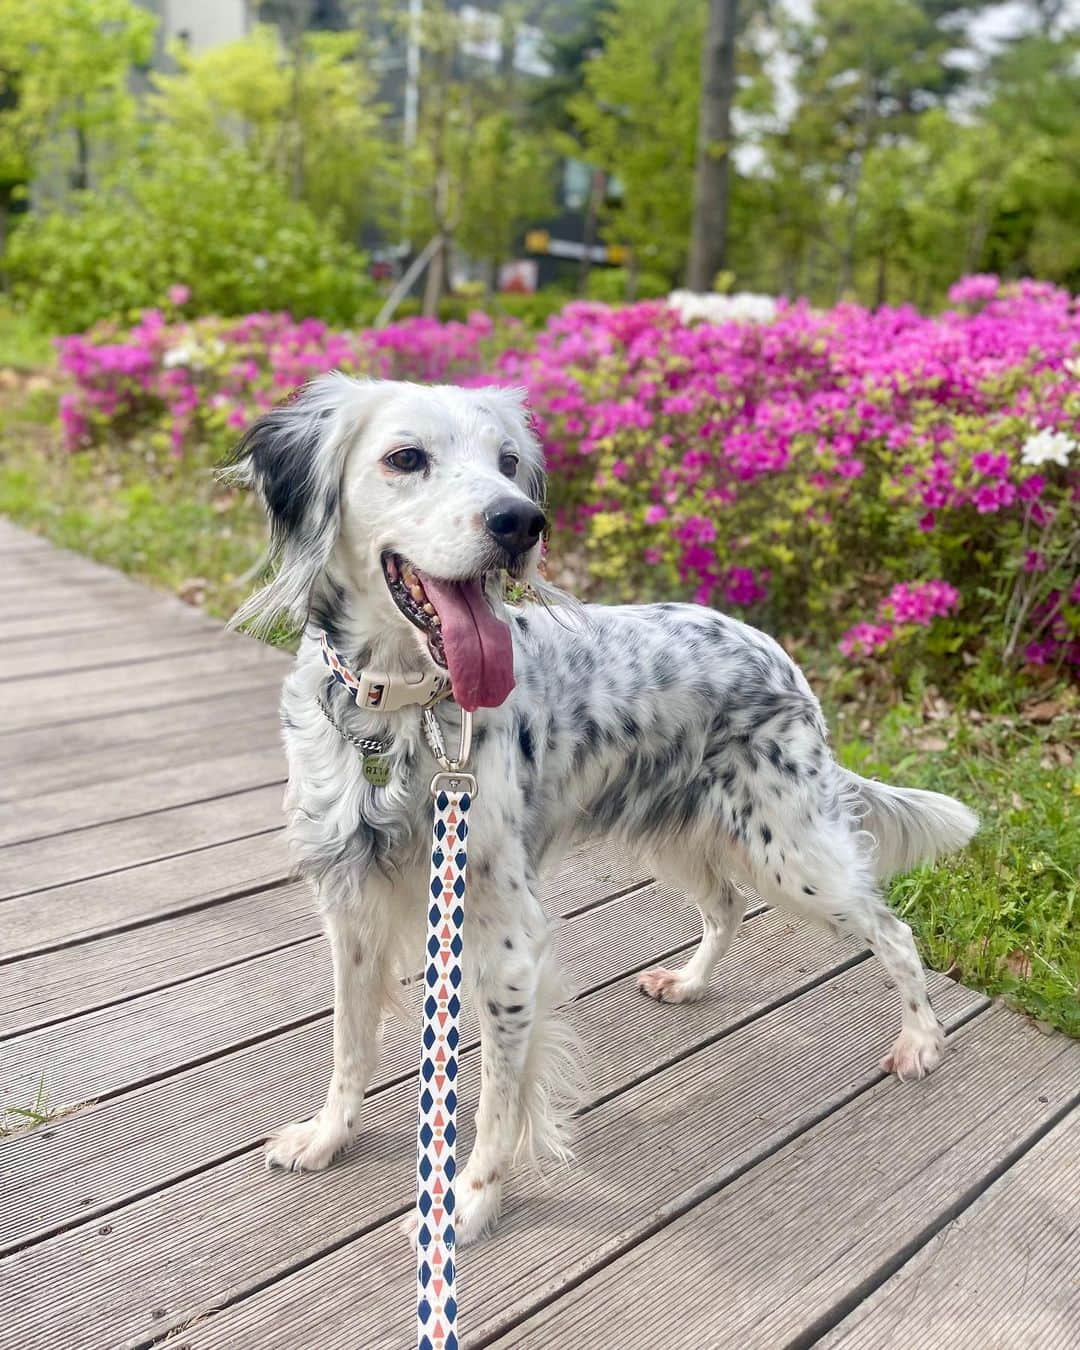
x,y
379,691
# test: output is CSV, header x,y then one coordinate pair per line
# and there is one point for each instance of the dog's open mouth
x,y
463,634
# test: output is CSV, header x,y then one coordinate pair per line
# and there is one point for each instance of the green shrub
x,y
217,226
611,285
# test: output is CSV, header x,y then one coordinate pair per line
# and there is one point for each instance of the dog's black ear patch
x,y
280,451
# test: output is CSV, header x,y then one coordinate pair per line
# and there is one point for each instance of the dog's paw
x,y
476,1212
916,1053
669,986
307,1145
407,1228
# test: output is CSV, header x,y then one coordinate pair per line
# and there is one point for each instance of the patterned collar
x,y
378,691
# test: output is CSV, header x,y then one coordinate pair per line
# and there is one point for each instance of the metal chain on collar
x,y
367,745
453,791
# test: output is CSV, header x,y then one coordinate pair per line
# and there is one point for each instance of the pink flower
x,y
179,295
866,639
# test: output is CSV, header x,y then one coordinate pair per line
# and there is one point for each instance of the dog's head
x,y
413,500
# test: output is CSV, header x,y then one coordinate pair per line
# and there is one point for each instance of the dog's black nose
x,y
514,524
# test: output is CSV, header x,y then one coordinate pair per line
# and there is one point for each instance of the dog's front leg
x,y
507,939
362,969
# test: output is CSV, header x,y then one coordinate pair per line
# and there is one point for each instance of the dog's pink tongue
x,y
478,646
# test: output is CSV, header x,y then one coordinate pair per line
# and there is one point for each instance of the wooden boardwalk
x,y
746,1176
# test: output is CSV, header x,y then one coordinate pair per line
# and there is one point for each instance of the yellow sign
x,y
537,241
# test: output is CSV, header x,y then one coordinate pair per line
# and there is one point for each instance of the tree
x,y
303,110
476,172
64,87
638,117
865,74
708,239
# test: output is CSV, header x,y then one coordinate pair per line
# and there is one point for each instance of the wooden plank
x,y
32,754
807,1228
100,1053
27,820
145,643
41,990
102,770
72,618
43,920
15,539
231,1226
201,1115
78,978
88,623
219,1238
1004,1273
40,865
63,698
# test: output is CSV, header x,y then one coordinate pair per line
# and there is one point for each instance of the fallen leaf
x,y
193,591
1044,711
1018,963
932,743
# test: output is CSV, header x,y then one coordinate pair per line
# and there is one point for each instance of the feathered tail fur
x,y
909,826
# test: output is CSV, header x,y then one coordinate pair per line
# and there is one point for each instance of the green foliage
x,y
613,285
305,115
64,76
638,120
213,222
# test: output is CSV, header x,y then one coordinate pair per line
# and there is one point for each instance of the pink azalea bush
x,y
893,480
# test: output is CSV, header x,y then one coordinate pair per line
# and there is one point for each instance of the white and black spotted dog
x,y
396,512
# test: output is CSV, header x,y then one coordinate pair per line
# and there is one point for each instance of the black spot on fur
x,y
766,834
809,890
525,741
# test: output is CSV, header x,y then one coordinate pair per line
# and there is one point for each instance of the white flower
x,y
744,307
1072,366
1047,447
183,355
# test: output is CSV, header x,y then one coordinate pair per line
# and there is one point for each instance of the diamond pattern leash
x,y
453,791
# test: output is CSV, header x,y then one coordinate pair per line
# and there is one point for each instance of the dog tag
x,y
377,769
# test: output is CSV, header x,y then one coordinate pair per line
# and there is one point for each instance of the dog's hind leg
x,y
825,875
721,904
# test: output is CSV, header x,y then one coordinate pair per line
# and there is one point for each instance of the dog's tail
x,y
909,826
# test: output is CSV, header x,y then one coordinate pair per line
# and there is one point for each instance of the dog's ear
x,y
294,457
514,413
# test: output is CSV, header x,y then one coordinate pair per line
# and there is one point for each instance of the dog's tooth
x,y
392,568
417,593
429,608
436,621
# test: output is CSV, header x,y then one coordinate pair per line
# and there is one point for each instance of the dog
x,y
397,513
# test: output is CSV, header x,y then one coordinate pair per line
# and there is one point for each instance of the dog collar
x,y
379,691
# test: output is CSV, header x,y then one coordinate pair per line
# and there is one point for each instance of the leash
x,y
452,791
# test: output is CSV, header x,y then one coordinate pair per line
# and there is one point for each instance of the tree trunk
x,y
881,296
597,189
708,237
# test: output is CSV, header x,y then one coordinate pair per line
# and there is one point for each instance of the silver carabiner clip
x,y
452,777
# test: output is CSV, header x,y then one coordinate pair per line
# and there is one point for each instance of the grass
x,y
23,346
39,1112
1003,917
168,522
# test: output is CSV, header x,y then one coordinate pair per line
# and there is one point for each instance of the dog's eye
x,y
508,464
409,459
